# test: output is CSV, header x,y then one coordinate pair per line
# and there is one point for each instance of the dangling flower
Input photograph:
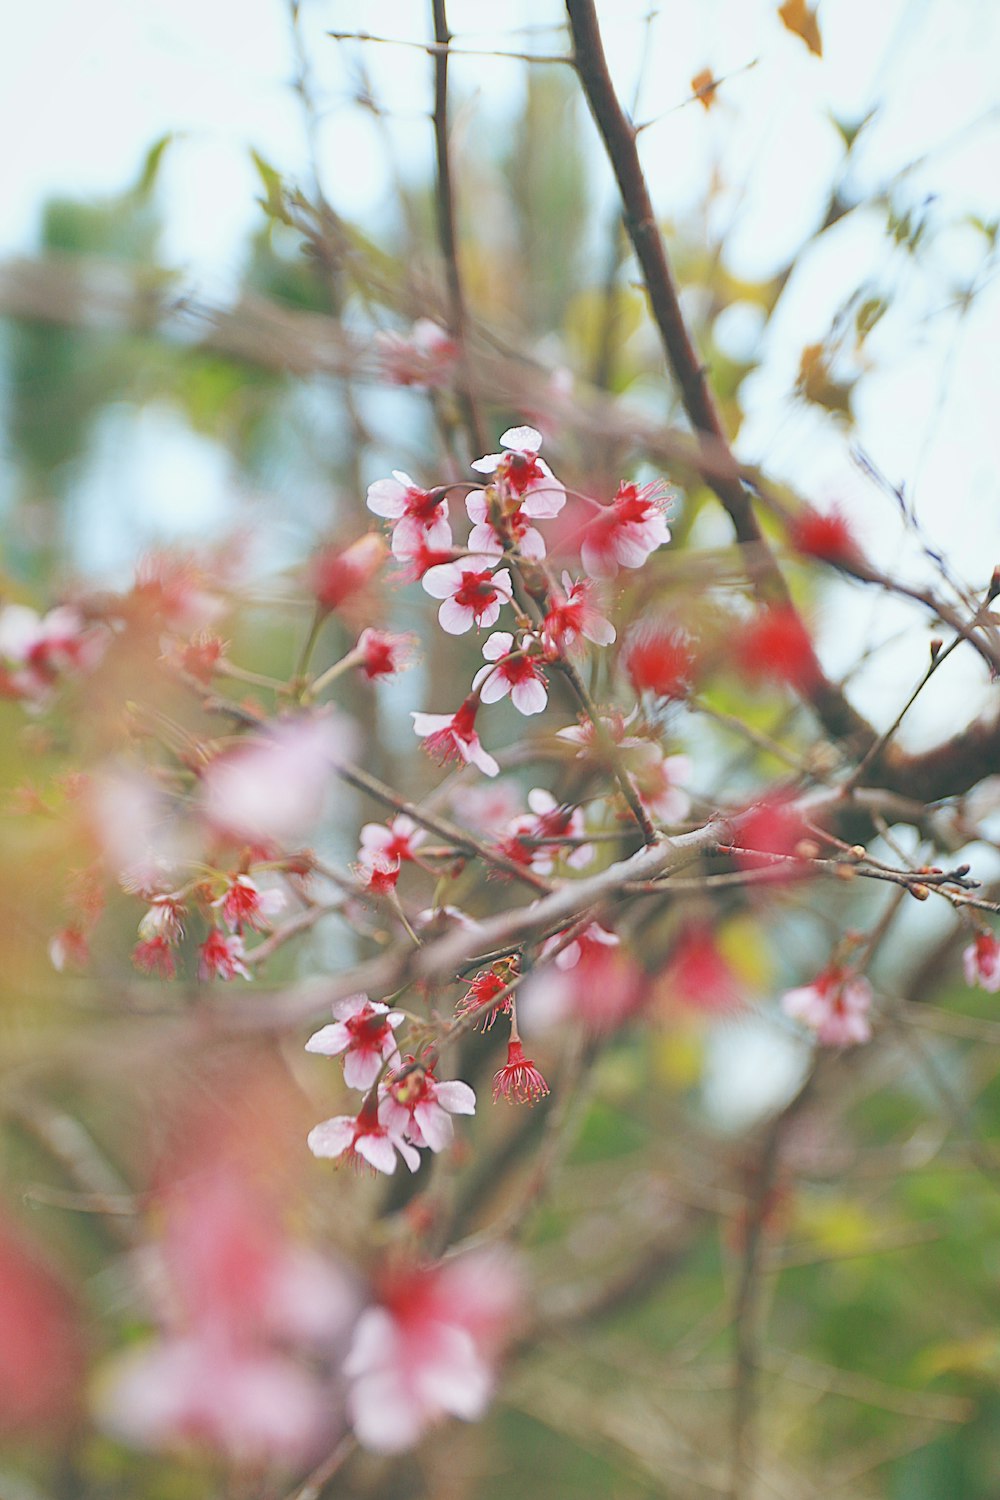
x,y
222,956
382,654
363,1032
518,1080
572,617
981,961
523,473
378,874
453,737
244,904
421,516
154,956
627,530
512,671
835,1006
164,919
471,592
482,991
368,1138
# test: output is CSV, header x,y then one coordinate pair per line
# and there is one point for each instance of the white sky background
x,y
84,90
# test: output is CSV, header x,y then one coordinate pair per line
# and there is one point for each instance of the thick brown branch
x,y
619,135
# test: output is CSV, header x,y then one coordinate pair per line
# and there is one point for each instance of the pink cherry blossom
x,y
428,1350
602,990
35,649
244,904
450,737
420,1106
582,947
421,516
523,473
981,962
835,1006
400,840
699,975
223,1373
471,592
363,1031
486,808
659,780
572,617
221,957
625,532
368,1138
539,504
515,672
425,357
272,789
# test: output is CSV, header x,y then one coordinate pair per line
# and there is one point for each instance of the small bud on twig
x,y
920,892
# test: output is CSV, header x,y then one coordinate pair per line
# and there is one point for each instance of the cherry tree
x,y
497,961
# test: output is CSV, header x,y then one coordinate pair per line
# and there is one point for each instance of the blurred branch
x,y
447,231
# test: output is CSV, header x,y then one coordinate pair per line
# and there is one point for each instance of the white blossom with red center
x,y
363,1032
221,956
429,1349
399,840
383,654
513,671
421,516
981,962
523,474
450,737
572,618
244,904
835,1006
471,592
420,1106
368,1138
625,532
